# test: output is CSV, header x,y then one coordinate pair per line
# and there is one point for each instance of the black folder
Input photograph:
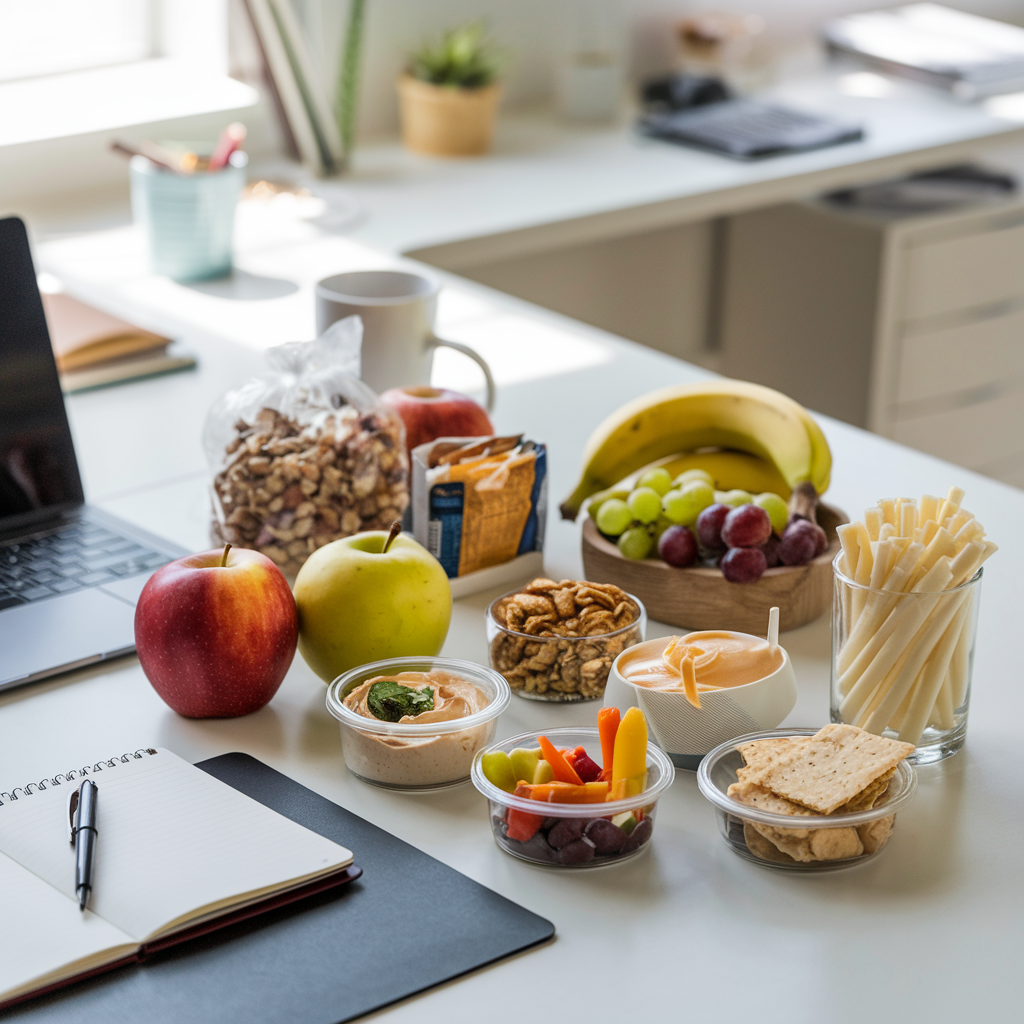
x,y
409,923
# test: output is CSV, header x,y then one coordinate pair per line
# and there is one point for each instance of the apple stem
x,y
396,529
224,557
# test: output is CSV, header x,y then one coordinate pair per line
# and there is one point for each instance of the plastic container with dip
x,y
686,733
411,755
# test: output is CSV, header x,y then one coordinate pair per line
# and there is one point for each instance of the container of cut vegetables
x,y
553,803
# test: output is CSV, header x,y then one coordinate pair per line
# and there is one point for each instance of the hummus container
x,y
411,756
567,836
744,828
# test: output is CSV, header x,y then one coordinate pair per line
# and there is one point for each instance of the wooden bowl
x,y
702,598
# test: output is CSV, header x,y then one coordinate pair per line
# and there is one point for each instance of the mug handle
x,y
435,342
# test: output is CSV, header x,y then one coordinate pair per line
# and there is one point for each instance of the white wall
x,y
531,32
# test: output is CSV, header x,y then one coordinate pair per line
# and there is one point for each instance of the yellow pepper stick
x,y
629,761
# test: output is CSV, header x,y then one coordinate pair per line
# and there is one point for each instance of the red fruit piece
x,y
678,547
522,826
748,526
771,551
800,542
709,528
743,565
586,768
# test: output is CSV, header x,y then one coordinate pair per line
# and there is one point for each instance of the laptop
x,y
70,574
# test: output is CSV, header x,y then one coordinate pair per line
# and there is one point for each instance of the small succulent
x,y
463,58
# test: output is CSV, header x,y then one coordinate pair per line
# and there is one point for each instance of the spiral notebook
x,y
179,853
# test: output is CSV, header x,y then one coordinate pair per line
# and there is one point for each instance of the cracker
x,y
867,798
838,763
835,843
794,842
753,795
875,834
760,754
764,848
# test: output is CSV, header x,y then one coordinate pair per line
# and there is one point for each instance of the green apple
x,y
497,769
524,763
367,597
544,773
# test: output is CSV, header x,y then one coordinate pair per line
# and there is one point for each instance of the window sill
x,y
104,99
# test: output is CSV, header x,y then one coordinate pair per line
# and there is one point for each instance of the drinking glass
x,y
902,662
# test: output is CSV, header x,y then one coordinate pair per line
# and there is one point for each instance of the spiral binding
x,y
69,776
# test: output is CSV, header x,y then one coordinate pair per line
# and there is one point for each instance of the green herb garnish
x,y
389,701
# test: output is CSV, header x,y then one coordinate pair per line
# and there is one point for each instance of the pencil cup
x,y
189,218
902,662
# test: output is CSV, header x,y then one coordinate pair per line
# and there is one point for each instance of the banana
x,y
720,413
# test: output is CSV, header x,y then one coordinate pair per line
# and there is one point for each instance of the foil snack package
x,y
479,502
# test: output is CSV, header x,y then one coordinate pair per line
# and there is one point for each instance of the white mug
x,y
397,309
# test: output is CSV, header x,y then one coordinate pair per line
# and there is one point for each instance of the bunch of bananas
x,y
746,436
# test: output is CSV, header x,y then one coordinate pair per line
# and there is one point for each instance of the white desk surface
x,y
550,184
688,930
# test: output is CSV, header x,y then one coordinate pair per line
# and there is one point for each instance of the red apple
x,y
429,413
216,632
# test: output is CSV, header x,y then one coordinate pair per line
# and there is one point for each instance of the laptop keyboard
x,y
72,558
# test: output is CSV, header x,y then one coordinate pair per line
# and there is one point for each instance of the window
x,y
45,37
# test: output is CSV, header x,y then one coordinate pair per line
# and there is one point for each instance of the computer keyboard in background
x,y
72,558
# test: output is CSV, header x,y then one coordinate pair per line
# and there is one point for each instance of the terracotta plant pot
x,y
443,121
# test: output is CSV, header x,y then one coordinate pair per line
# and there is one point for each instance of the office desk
x,y
933,928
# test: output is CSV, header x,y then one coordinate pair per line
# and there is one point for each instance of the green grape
x,y
645,504
692,476
734,498
636,542
659,527
613,517
683,506
778,511
597,500
657,479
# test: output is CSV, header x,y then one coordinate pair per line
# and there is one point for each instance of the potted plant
x,y
449,94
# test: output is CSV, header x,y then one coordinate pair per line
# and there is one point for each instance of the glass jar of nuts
x,y
557,641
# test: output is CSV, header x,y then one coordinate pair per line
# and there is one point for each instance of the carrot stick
x,y
564,772
607,727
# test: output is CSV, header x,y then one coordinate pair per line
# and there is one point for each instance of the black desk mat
x,y
409,923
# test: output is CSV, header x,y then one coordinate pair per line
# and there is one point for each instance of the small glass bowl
x,y
569,851
410,756
736,821
558,668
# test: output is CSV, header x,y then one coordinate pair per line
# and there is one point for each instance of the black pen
x,y
82,821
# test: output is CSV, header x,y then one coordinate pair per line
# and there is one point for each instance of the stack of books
x,y
94,349
972,57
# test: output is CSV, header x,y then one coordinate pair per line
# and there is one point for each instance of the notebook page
x,y
172,840
43,932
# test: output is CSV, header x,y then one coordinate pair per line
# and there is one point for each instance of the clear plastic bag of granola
x,y
305,453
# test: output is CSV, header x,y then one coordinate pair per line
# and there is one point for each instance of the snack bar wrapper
x,y
479,502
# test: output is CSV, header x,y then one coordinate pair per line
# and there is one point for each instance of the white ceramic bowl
x,y
687,733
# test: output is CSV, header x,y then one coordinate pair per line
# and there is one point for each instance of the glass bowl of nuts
x,y
557,641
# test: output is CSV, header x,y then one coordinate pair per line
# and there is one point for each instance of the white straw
x,y
773,628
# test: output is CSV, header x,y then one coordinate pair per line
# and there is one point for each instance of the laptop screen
x,y
38,471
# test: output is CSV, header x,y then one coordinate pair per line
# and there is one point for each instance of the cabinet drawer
x,y
961,358
971,270
973,436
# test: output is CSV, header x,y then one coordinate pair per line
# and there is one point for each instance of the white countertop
x,y
932,927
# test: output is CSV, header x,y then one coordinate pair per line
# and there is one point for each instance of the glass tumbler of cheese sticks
x,y
904,617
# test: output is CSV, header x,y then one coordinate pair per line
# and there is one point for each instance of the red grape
x,y
743,565
709,528
748,526
799,542
771,551
678,547
822,541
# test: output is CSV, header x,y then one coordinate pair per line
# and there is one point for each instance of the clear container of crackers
x,y
557,641
840,785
